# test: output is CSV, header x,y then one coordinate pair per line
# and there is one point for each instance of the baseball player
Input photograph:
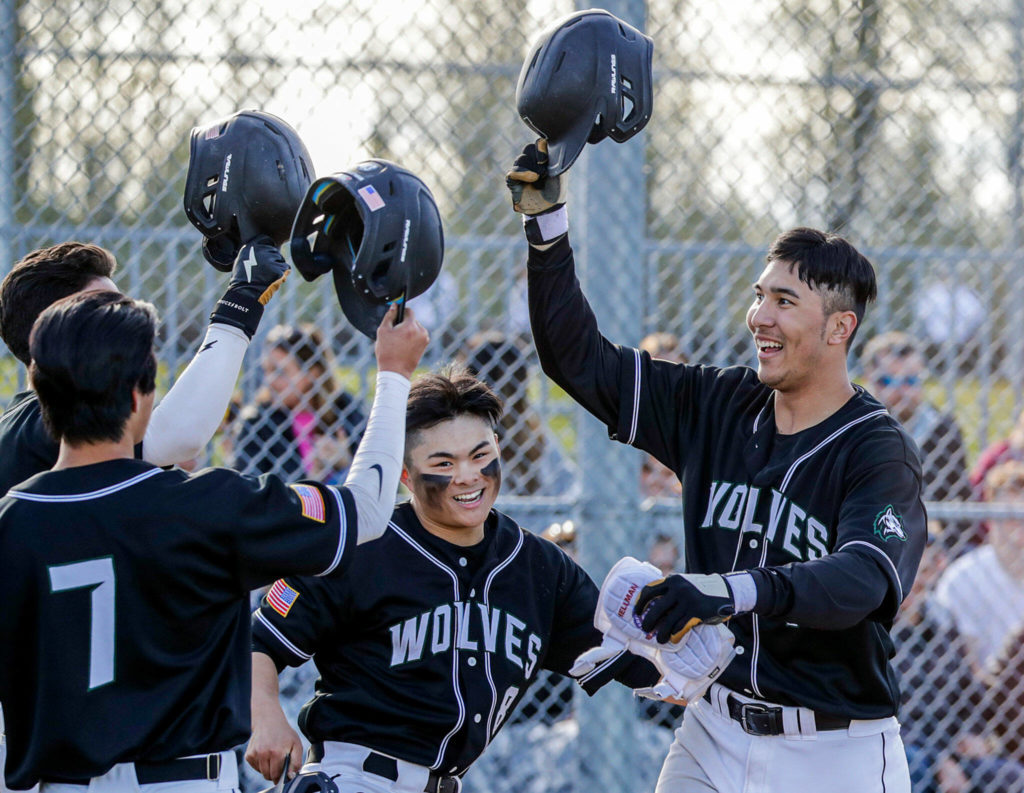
x,y
189,414
802,509
126,657
438,629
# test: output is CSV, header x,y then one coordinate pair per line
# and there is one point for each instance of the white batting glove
x,y
688,671
614,615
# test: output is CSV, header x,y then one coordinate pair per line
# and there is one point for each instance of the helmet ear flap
x,y
220,251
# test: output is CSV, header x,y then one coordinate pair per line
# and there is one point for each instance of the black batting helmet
x,y
308,782
377,227
246,176
586,78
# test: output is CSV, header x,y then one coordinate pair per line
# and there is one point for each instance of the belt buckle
x,y
449,784
748,713
212,767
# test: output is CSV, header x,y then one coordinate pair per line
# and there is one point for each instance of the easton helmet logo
x,y
888,525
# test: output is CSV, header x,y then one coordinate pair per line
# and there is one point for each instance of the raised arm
x,y
571,348
377,466
188,416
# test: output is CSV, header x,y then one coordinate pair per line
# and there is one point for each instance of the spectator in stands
x,y
931,659
1010,448
895,371
299,424
656,479
982,592
531,462
1003,713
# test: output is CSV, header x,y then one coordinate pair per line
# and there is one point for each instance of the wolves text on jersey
x,y
782,522
470,626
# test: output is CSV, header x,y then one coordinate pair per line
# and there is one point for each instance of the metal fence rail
x,y
900,125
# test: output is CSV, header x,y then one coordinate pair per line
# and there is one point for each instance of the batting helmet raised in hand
x,y
377,227
246,176
586,78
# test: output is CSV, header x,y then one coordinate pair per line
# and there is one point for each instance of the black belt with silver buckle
x,y
387,767
185,769
758,719
188,768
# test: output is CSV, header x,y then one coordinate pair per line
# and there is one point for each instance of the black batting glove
x,y
669,607
533,191
538,197
258,272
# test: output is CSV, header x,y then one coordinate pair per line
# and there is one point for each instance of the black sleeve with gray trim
x,y
875,560
296,616
286,529
619,385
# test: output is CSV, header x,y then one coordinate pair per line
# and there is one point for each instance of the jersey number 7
x,y
97,574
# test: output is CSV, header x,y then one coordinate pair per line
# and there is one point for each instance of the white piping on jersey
x,y
281,637
825,442
342,530
487,656
455,651
600,668
635,417
764,546
26,495
757,418
876,549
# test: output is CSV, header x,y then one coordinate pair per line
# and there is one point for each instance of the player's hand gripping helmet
x,y
586,78
246,176
377,227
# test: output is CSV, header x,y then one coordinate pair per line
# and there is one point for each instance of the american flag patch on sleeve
x,y
281,597
312,502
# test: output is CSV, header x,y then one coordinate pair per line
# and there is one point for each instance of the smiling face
x,y
453,470
796,342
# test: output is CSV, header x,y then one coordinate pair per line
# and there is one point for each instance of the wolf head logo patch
x,y
889,525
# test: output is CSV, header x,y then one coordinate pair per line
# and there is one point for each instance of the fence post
x,y
607,226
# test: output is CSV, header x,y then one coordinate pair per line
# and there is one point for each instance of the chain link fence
x,y
898,124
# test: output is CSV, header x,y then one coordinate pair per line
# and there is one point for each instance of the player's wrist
x,y
743,589
240,308
545,229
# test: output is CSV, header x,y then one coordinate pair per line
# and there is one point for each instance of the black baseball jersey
x,y
829,519
26,448
425,647
125,618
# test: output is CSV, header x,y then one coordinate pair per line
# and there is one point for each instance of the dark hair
x,y
42,278
501,361
445,395
89,351
829,264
